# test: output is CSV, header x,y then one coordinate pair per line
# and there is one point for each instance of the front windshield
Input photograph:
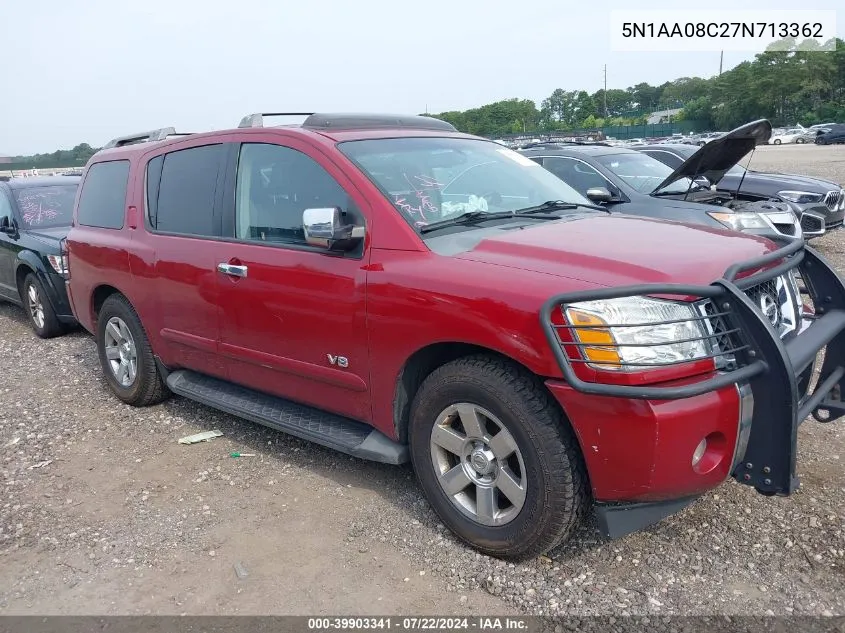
x,y
429,179
644,173
46,207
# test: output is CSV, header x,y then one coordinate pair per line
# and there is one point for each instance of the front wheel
x,y
496,458
126,356
776,141
800,141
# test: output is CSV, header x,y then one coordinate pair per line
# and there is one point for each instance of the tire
x,y
547,463
776,141
126,356
800,141
38,308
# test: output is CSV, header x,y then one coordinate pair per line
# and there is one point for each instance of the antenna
x,y
605,91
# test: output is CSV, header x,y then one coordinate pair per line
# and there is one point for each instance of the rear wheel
x,y
800,141
126,356
496,459
42,317
776,141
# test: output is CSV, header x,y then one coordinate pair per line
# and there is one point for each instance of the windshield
x,y
644,173
430,179
46,207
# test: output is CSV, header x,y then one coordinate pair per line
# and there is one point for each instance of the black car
x,y
835,134
35,216
807,195
628,181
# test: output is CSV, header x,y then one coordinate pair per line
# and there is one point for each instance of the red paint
x,y
273,329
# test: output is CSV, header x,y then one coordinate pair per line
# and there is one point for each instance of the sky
x,y
89,70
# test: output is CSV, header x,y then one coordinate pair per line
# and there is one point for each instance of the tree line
x,y
782,84
79,155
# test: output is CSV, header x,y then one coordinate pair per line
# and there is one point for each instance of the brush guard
x,y
776,371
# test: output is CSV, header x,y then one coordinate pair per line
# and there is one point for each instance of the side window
x,y
187,190
667,158
102,202
275,185
576,174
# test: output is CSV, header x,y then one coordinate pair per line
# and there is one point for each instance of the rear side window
x,y
182,199
103,198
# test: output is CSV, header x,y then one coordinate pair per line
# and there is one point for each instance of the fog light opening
x,y
709,453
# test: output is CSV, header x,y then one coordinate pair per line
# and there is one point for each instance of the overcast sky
x,y
88,70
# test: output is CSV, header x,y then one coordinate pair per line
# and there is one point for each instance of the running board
x,y
333,431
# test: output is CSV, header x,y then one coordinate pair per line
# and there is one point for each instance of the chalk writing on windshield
x,y
418,205
44,205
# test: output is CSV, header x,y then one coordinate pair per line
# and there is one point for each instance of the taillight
x,y
60,262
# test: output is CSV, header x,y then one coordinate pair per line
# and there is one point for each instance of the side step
x,y
327,429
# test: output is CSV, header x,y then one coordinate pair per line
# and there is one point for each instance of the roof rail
x,y
354,121
257,119
144,137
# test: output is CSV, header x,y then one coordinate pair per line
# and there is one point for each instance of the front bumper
x,y
669,416
833,218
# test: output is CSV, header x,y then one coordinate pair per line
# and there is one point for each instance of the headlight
x,y
740,221
633,333
801,197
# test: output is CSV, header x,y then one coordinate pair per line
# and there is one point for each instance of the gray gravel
x,y
102,511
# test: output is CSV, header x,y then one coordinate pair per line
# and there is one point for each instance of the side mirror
x,y
324,227
7,226
599,194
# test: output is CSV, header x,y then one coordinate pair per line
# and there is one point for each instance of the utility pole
x,y
721,59
605,91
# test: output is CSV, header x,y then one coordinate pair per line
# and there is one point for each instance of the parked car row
x,y
703,184
391,288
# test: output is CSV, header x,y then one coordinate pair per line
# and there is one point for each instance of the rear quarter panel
x,y
97,257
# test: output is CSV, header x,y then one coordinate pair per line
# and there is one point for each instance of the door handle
x,y
231,269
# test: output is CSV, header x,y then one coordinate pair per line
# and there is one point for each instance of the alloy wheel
x,y
120,351
36,306
478,464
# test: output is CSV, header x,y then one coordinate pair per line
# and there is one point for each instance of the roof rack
x,y
144,137
353,121
257,119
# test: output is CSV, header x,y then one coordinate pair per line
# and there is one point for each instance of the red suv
x,y
396,290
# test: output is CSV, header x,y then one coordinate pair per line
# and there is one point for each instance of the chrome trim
x,y
833,199
746,414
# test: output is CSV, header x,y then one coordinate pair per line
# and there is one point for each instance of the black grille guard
x,y
770,366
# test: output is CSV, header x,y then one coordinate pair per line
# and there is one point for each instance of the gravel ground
x,y
104,512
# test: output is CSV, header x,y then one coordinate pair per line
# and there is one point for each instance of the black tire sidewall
x,y
51,324
428,407
119,307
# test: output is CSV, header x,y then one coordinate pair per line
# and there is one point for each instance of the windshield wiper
x,y
556,205
540,212
467,218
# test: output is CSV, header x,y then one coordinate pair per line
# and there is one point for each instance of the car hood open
x,y
715,158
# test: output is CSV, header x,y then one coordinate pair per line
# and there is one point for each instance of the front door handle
x,y
231,269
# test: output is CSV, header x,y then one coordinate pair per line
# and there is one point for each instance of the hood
x,y
619,250
792,181
719,155
49,236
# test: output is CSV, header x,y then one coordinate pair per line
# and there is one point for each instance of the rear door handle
x,y
231,269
